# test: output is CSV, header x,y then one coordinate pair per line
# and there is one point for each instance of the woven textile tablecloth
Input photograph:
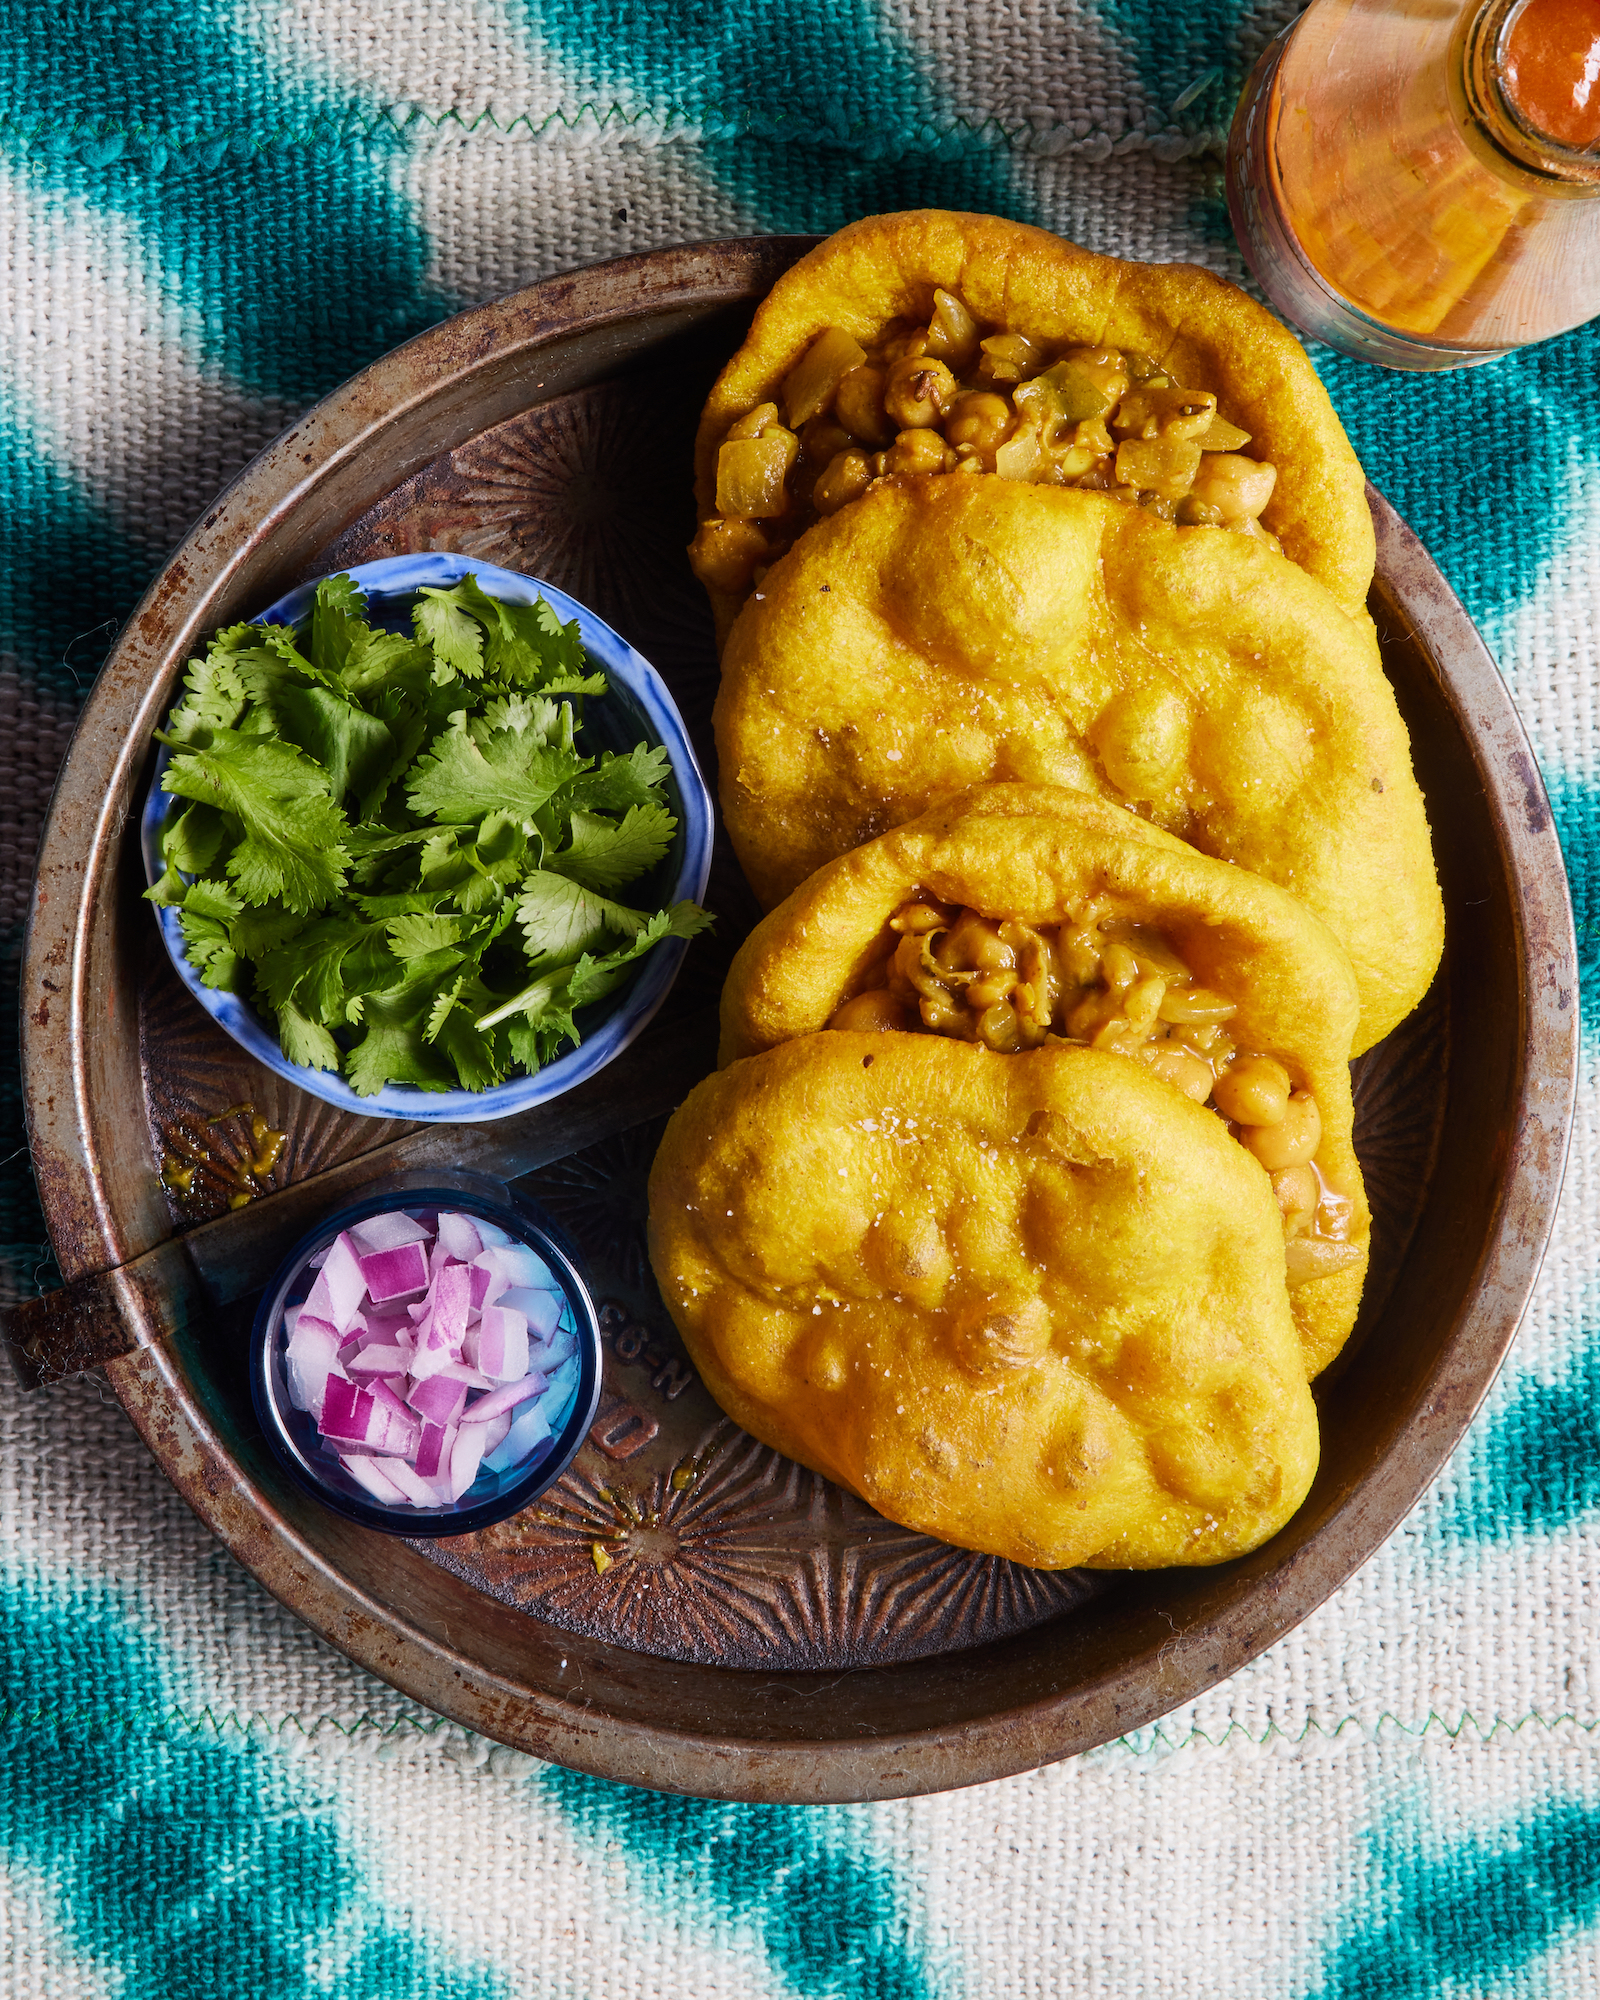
x,y
212,211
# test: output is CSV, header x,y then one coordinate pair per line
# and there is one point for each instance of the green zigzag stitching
x,y
174,1721
711,122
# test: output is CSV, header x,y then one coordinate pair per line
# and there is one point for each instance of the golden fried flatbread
x,y
1033,1306
1037,857
1207,333
941,632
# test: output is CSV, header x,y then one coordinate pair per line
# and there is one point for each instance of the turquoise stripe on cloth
x,y
212,212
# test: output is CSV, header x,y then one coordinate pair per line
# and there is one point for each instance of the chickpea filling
x,y
1105,982
955,397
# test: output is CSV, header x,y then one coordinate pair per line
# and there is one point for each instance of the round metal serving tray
x,y
757,1634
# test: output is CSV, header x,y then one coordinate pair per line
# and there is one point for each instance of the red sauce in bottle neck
x,y
1550,69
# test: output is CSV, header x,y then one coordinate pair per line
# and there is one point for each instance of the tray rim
x,y
94,791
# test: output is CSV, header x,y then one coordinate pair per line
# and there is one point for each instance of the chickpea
x,y
948,1017
725,554
1238,487
998,1028
844,478
1142,1001
989,992
1297,1192
1254,1091
1088,1014
1179,1067
859,406
878,1011
1293,1142
974,944
919,392
824,438
919,919
1119,967
982,421
917,451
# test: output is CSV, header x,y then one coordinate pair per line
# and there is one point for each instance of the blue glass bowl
x,y
292,1434
635,709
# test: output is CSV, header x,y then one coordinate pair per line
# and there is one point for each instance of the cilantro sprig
x,y
398,847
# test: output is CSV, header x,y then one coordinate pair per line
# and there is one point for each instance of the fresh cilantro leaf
x,y
477,1059
413,937
561,919
440,1010
524,715
620,782
333,962
604,855
353,747
338,614
214,697
392,1049
455,635
305,1042
387,663
366,839
190,843
213,899
191,839
461,782
401,903
293,833
534,1043
257,931
168,890
593,978
208,910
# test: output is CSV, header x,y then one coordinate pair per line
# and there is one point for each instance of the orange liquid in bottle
x,y
1388,155
1550,70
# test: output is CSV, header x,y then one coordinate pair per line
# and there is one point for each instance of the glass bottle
x,y
1417,182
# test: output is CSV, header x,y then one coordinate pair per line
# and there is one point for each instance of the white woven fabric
x,y
1399,1798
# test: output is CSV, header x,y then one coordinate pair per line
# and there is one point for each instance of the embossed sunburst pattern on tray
x,y
223,1127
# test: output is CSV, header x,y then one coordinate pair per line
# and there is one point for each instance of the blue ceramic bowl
x,y
292,1434
636,708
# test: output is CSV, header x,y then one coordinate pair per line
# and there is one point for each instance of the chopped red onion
x,y
416,1395
340,1290
376,1360
366,1472
433,1448
499,1346
466,1454
386,1232
526,1431
459,1371
438,1400
498,1401
460,1236
312,1353
395,1274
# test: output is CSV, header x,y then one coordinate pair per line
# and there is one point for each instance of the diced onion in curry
x,y
1106,982
954,397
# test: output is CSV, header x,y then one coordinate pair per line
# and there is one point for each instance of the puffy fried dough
x,y
1206,332
1032,1305
944,631
1039,855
